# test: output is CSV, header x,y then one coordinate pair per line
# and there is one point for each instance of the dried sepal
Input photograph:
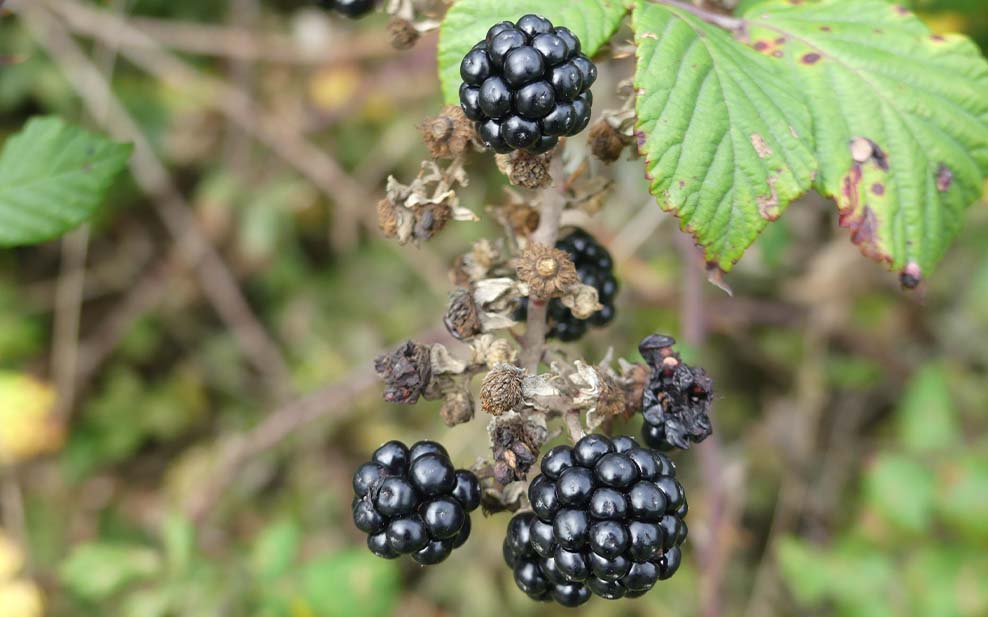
x,y
517,215
407,372
418,211
402,33
443,362
547,271
501,390
599,392
527,170
483,259
462,318
582,300
457,407
489,350
496,300
450,134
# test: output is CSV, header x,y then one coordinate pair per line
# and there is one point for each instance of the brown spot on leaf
x,y
945,177
825,29
901,10
877,31
936,38
878,188
911,276
760,146
864,150
761,45
682,184
768,205
780,41
777,53
811,58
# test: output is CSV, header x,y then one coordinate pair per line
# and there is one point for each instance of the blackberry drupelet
x,y
410,501
607,520
350,8
595,268
526,85
677,398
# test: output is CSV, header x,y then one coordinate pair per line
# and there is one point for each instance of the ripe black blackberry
x,y
607,519
526,85
350,8
677,398
410,501
595,268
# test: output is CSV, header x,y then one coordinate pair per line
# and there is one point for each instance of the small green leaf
x,y
98,569
900,119
350,583
806,569
963,501
276,549
926,413
901,491
467,22
178,536
53,177
725,140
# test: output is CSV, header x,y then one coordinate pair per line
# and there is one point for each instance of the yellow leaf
x,y
21,598
28,426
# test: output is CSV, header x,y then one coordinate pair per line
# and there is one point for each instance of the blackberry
x,y
595,268
526,85
677,398
350,8
607,520
410,501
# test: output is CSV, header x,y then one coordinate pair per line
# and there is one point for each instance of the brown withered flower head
x,y
449,134
457,407
462,319
527,170
402,33
546,270
502,389
514,450
407,372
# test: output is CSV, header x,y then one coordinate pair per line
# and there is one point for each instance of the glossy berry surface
x,y
350,8
617,543
526,85
411,501
595,268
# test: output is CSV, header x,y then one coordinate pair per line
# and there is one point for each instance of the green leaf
x,y
98,569
724,138
593,21
926,413
806,569
276,549
963,501
900,119
350,583
178,536
901,491
53,177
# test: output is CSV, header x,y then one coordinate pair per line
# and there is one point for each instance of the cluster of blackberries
x,y
526,85
350,8
596,268
677,398
607,520
410,501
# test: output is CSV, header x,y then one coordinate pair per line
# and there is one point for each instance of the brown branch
x,y
217,282
68,313
545,234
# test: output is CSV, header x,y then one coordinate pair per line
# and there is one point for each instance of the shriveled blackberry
x,y
526,85
410,501
350,8
607,519
595,268
677,398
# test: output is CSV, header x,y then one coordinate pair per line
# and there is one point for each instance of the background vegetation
x,y
186,385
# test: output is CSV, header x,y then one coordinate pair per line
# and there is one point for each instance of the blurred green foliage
x,y
870,402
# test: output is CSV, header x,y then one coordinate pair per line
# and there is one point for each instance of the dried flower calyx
x,y
418,211
407,371
546,270
516,446
457,407
462,318
501,391
450,134
677,398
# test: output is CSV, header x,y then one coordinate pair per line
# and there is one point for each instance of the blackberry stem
x,y
546,234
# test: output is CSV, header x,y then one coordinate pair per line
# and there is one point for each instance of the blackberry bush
x,y
677,398
526,85
607,520
411,501
595,268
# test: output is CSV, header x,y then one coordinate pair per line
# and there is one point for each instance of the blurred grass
x,y
852,415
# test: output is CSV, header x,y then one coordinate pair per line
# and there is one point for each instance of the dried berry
x,y
677,398
407,372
